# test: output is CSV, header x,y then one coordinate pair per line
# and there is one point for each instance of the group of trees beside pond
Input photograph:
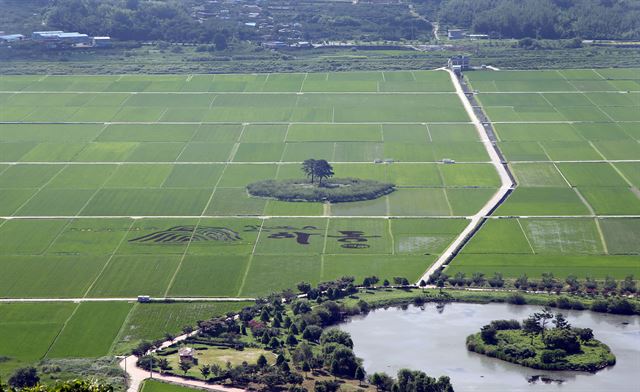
x,y
297,331
543,341
589,19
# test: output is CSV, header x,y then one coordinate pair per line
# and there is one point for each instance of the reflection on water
x,y
433,340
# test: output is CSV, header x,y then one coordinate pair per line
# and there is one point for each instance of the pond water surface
x,y
433,340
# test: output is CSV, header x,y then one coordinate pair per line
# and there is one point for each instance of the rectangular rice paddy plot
x,y
469,175
82,176
216,133
106,152
402,108
511,100
89,237
333,86
156,152
215,276
452,133
91,330
130,276
405,133
138,176
611,99
419,202
56,202
292,236
424,236
239,176
284,208
358,152
619,150
563,236
612,200
538,175
150,201
376,207
28,329
468,201
499,236
53,152
183,115
523,151
632,129
224,236
259,152
621,235
359,236
206,152
607,131
235,201
185,100
298,152
622,113
14,151
264,133
414,174
139,114
460,151
12,199
543,201
148,133
28,176
369,171
193,176
267,274
157,236
153,320
408,152
631,171
570,151
46,276
334,133
32,236
384,267
591,174
55,133
561,266
537,132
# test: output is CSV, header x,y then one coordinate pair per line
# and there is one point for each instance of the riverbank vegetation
x,y
533,344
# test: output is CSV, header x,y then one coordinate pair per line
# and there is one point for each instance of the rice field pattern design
x,y
182,234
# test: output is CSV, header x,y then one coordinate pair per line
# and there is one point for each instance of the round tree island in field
x,y
542,341
320,186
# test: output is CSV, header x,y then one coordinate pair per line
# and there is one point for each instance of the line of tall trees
x,y
588,19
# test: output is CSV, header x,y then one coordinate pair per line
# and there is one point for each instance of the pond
x,y
432,339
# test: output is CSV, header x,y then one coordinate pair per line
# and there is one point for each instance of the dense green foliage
x,y
534,345
131,20
593,19
336,191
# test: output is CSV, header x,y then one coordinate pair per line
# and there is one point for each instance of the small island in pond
x,y
542,341
320,186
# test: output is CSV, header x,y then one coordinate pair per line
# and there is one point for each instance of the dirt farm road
x,y
495,200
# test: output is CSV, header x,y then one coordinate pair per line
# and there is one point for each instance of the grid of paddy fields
x,y
571,139
128,185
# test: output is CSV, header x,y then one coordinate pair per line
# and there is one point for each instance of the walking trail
x,y
138,375
505,180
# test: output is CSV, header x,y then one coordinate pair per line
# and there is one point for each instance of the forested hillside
x,y
291,20
588,19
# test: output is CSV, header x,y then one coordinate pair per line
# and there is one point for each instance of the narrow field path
x,y
138,375
505,187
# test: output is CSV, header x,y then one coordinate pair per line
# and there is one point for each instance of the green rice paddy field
x,y
572,140
118,186
132,185
33,331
